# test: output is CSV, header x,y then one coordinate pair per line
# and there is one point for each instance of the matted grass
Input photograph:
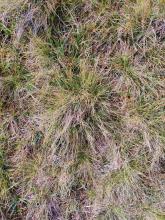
x,y
82,109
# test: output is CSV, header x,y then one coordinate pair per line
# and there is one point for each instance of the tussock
x,y
82,110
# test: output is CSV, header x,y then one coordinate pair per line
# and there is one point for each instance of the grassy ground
x,y
82,109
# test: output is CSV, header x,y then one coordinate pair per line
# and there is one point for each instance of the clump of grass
x,y
82,110
13,75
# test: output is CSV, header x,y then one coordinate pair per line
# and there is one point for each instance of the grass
x,y
82,110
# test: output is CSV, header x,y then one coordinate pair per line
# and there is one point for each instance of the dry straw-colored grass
x,y
82,110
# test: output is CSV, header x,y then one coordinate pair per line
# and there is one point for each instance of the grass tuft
x,y
82,109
